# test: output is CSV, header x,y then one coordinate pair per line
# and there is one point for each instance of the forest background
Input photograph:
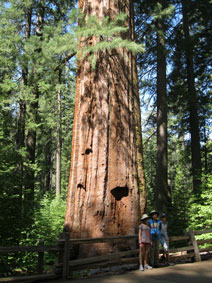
x,y
38,47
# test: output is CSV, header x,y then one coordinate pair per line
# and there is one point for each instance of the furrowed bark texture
x,y
161,191
193,104
106,193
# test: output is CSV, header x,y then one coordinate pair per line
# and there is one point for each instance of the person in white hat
x,y
144,237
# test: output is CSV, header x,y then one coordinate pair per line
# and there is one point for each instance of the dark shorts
x,y
145,245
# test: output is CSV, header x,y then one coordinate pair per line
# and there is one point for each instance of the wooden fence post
x,y
41,258
195,245
66,256
59,262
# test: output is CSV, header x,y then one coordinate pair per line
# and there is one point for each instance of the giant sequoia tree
x,y
106,188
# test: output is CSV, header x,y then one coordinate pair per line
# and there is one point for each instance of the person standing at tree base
x,y
164,239
155,228
144,242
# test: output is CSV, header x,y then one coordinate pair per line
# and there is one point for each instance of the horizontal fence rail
x,y
15,249
64,245
100,240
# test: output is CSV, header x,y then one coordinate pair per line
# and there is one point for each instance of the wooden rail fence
x,y
65,244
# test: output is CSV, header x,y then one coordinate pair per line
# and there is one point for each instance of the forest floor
x,y
198,272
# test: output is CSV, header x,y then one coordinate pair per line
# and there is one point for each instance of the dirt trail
x,y
199,272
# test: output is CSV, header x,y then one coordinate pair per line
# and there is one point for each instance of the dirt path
x,y
199,272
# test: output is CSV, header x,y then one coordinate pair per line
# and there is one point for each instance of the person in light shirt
x,y
145,242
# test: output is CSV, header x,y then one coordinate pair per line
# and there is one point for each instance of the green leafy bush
x,y
201,211
48,224
49,219
201,208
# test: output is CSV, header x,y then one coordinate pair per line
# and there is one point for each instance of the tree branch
x,y
64,61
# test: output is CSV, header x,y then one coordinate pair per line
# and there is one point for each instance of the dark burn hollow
x,y
87,151
80,186
120,192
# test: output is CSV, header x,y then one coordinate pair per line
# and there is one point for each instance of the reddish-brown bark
x,y
106,193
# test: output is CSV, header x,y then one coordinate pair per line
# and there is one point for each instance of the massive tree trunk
x,y
161,192
106,193
192,102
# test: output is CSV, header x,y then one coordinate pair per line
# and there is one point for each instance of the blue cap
x,y
163,215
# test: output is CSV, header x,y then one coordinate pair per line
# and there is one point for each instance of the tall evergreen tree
x,y
34,43
106,183
152,21
58,149
192,102
161,192
33,113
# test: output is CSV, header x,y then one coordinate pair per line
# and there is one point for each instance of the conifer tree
x,y
58,149
192,102
190,41
28,90
152,22
161,192
106,188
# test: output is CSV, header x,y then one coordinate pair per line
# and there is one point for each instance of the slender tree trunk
x,y
161,192
20,140
106,193
205,149
20,136
192,102
33,112
137,116
49,162
58,149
